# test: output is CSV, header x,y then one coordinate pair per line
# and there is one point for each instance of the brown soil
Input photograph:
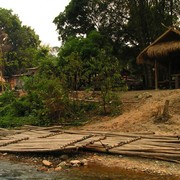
x,y
139,165
140,109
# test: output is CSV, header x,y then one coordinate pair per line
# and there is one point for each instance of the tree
x,y
22,40
68,21
111,17
89,63
4,47
83,16
76,58
146,24
129,25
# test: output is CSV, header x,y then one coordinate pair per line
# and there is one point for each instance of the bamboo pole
x,y
149,146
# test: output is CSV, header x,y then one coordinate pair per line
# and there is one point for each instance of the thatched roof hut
x,y
162,47
164,52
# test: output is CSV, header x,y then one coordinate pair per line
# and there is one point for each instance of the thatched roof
x,y
167,43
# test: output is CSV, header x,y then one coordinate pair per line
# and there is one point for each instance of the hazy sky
x,y
38,14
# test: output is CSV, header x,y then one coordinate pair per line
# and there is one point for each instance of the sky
x,y
39,15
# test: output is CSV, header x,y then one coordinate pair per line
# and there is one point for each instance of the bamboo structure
x,y
146,145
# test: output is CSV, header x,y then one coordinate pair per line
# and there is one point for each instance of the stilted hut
x,y
164,57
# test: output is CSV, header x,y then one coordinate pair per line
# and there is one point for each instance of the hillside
x,y
139,111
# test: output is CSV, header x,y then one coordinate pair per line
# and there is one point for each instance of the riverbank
x,y
139,112
109,163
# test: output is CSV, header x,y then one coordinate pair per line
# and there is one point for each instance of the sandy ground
x,y
140,109
140,164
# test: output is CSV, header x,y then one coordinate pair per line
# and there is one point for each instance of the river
x,y
12,171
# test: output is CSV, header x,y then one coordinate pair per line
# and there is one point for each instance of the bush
x,y
6,98
10,122
47,102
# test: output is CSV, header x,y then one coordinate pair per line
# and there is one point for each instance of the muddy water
x,y
13,171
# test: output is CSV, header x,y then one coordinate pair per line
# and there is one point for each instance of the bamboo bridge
x,y
54,139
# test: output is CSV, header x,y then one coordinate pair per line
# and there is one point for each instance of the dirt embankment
x,y
140,109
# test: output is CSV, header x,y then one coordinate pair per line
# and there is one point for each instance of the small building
x,y
163,55
16,81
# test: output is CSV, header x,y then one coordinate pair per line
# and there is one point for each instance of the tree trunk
x,y
166,110
163,116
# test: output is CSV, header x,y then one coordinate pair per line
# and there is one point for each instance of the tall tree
x,y
133,21
146,23
128,24
4,47
83,16
80,60
22,40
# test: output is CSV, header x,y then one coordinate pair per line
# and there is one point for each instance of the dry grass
x,y
163,49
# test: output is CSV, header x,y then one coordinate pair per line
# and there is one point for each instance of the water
x,y
12,171
19,171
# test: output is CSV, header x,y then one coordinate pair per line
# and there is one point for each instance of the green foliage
x,y
79,112
80,61
11,122
6,98
128,25
108,77
121,20
14,111
111,103
46,103
68,23
47,97
89,62
21,43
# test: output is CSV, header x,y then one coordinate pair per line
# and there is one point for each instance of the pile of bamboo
x,y
131,144
142,145
45,141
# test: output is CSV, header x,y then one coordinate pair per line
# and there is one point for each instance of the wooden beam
x,y
156,74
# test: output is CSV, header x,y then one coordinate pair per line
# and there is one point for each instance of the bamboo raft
x,y
54,139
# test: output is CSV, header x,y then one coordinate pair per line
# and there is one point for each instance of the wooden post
x,y
176,81
156,74
163,116
166,110
169,75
